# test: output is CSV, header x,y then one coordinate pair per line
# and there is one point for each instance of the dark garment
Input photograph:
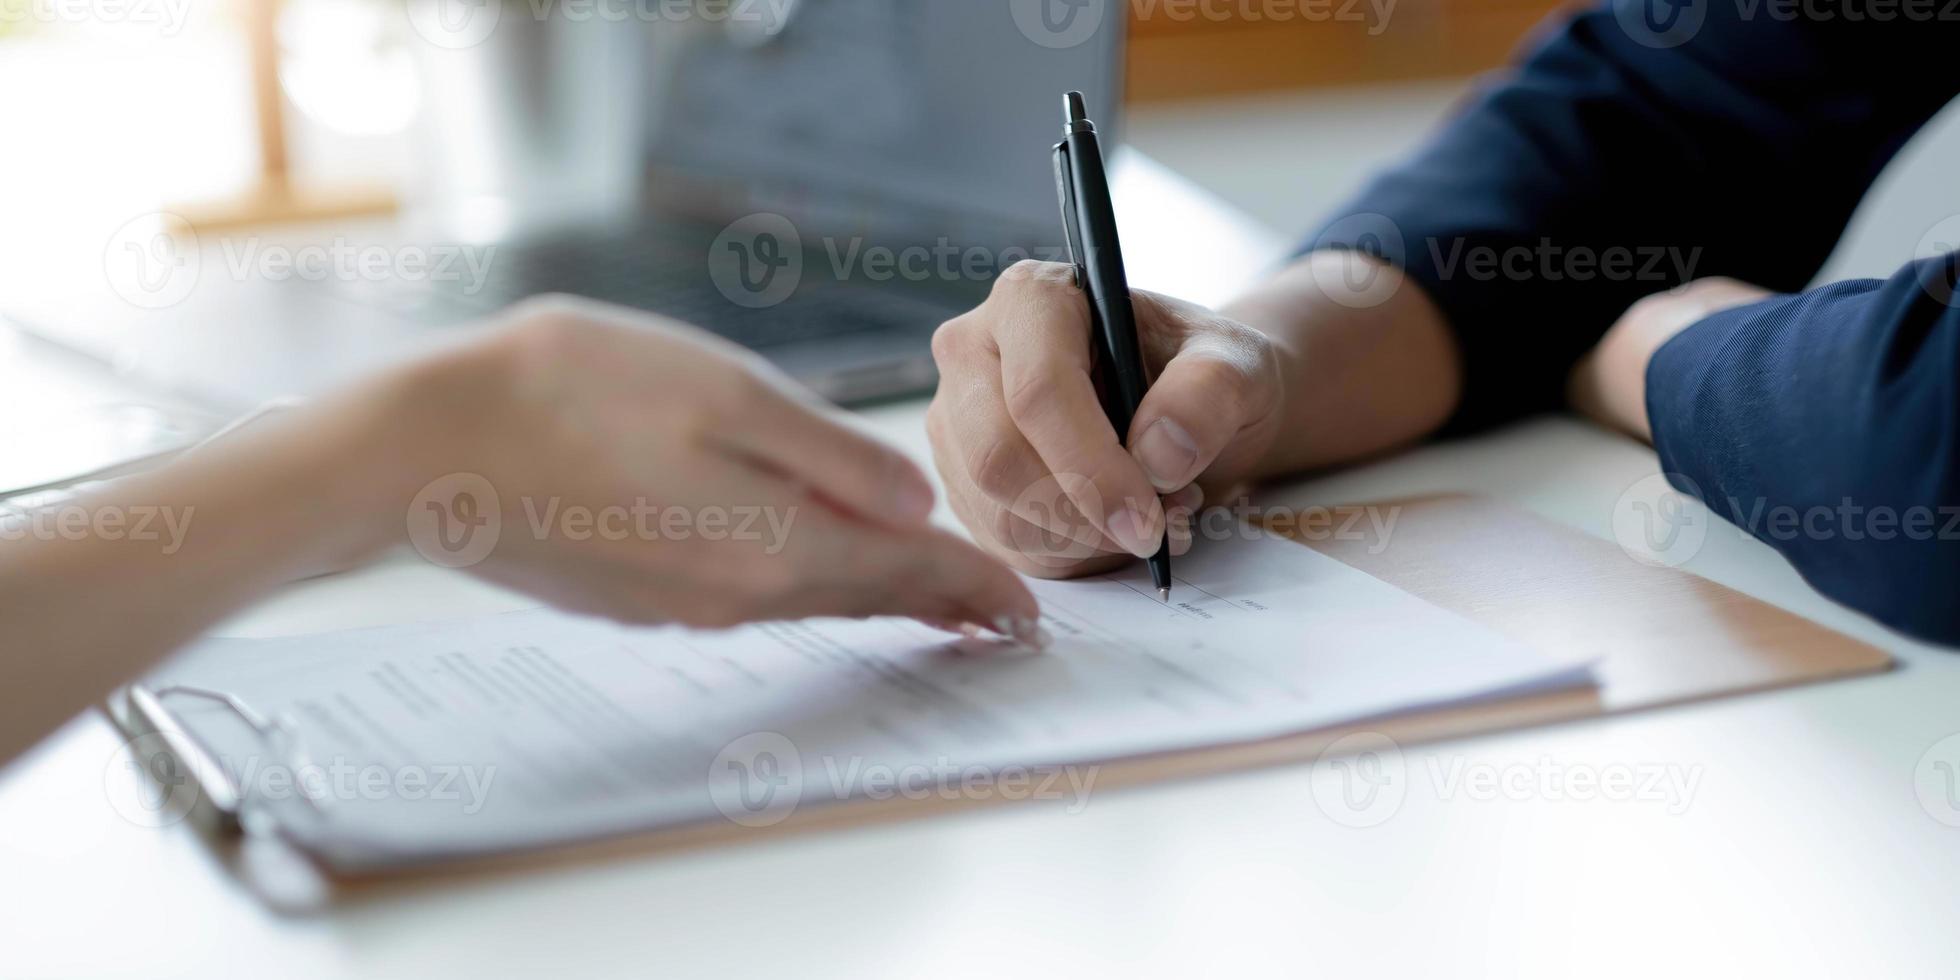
x,y
1629,153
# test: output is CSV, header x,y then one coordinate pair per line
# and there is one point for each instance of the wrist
x,y
408,429
1367,361
1610,383
333,481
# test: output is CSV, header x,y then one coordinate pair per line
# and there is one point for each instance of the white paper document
x,y
536,728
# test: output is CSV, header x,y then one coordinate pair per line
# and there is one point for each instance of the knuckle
x,y
1021,273
1028,394
1216,375
1258,347
1224,382
936,423
950,342
533,357
996,467
1036,275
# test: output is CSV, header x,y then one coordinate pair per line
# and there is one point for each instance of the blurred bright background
x,y
124,107
139,105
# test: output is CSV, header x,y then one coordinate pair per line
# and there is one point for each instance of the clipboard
x,y
1664,637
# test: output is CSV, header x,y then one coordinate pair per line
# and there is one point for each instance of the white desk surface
x,y
1802,849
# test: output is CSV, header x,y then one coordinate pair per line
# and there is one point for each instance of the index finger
x,y
924,573
846,467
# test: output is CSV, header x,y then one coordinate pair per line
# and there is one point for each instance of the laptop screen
x,y
906,117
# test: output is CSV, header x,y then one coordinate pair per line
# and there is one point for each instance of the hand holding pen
x,y
1089,223
1033,463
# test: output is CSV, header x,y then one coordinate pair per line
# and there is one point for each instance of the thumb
x,y
1216,384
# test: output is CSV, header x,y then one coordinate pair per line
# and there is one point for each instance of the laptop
x,y
827,195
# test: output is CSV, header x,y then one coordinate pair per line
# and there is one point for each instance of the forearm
x,y
1368,362
1823,423
1605,167
96,589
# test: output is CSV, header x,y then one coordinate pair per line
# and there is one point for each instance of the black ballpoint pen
x,y
1089,222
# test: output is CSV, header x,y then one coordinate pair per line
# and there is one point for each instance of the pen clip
x,y
1071,229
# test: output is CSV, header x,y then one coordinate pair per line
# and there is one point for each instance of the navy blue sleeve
x,y
1635,147
1827,424
1645,143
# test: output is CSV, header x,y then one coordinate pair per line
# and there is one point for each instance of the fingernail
x,y
1126,527
952,626
1167,454
1022,630
913,500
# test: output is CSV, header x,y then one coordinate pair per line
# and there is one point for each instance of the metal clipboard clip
x,y
232,802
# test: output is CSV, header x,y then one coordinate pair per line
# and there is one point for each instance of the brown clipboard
x,y
1663,637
